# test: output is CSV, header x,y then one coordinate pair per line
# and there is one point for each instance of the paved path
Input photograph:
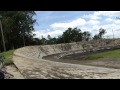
x,y
33,69
11,69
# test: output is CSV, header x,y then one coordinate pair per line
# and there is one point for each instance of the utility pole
x,y
113,34
2,35
113,37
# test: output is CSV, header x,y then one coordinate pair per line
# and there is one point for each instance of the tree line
x,y
71,35
18,28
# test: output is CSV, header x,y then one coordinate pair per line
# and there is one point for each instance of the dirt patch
x,y
78,59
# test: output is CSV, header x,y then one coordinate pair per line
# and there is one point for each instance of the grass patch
x,y
8,57
107,54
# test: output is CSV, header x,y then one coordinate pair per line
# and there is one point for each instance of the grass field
x,y
8,57
107,54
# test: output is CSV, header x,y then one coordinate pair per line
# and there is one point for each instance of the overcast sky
x,y
55,23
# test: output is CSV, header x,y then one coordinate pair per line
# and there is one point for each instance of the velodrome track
x,y
29,60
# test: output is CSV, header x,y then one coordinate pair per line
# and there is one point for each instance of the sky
x,y
55,23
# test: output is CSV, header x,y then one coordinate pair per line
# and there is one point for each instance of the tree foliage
x,y
100,35
17,28
68,36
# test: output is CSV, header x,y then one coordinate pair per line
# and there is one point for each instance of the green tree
x,y
49,37
59,39
43,41
101,32
86,35
72,35
17,27
100,35
96,37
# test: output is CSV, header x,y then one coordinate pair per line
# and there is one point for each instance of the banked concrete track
x,y
32,66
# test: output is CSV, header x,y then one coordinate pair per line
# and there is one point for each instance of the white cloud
x,y
45,33
91,16
40,33
91,22
95,27
117,22
109,28
107,13
109,19
72,24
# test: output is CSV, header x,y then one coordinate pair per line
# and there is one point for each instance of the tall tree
x,y
100,35
86,35
72,35
17,27
101,32
43,40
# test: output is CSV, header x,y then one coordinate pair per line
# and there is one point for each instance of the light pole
x,y
2,35
113,34
113,37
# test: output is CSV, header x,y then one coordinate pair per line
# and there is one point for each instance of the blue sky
x,y
55,23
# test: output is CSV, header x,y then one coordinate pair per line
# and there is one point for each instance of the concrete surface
x,y
31,64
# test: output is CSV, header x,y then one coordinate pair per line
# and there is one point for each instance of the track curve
x,y
31,64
